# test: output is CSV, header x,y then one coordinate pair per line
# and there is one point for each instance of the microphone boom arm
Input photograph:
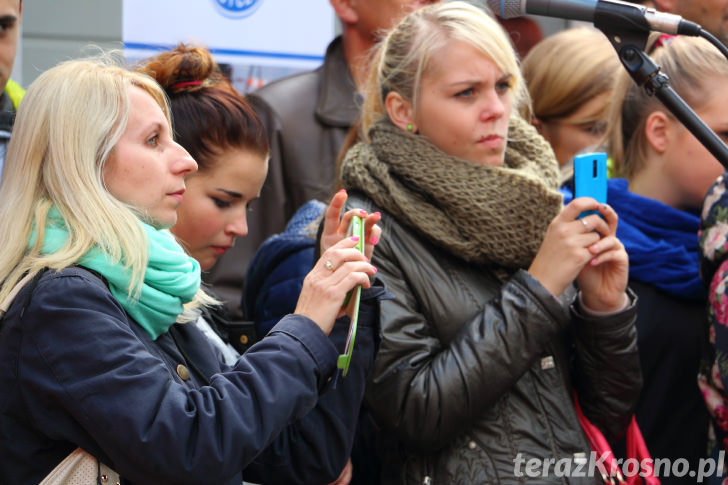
x,y
629,45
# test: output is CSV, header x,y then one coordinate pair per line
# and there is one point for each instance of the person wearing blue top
x,y
272,285
98,351
663,174
276,272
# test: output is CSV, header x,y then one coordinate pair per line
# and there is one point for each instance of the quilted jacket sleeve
x,y
607,375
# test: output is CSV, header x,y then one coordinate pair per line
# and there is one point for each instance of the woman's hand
x,y
603,280
585,249
335,229
341,268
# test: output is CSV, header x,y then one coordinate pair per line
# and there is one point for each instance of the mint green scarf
x,y
171,279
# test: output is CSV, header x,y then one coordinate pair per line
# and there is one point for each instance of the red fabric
x,y
524,32
635,448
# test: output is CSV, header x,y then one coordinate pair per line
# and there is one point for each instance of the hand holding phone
x,y
356,228
590,178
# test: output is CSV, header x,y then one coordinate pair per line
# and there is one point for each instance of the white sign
x,y
279,33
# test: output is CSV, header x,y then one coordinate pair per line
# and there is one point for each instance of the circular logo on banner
x,y
237,9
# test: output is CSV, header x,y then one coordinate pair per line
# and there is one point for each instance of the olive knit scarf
x,y
483,214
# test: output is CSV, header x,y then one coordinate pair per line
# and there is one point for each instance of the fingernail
x,y
374,240
355,238
363,212
377,213
375,269
342,191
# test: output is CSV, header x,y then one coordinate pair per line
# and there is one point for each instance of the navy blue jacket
x,y
75,370
276,272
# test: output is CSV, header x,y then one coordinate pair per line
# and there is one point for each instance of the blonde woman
x,y
486,337
91,355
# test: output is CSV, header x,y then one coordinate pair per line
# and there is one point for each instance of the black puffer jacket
x,y
474,375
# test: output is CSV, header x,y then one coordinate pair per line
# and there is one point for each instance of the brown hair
x,y
208,114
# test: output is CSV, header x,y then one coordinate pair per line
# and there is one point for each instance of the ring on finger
x,y
329,265
586,225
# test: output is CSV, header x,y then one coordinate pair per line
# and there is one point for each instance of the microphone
x,y
602,13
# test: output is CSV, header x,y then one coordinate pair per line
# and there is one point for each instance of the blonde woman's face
x,y
214,209
464,105
147,169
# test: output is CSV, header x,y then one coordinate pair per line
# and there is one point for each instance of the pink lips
x,y
220,250
178,195
491,141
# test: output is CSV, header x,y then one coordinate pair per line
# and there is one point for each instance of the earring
x,y
409,127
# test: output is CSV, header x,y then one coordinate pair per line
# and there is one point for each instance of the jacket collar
x,y
339,101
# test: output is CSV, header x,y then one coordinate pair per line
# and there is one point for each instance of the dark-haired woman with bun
x,y
222,133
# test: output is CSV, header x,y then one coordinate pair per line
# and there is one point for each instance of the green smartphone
x,y
356,228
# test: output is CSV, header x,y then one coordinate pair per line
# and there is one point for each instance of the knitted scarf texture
x,y
482,214
171,279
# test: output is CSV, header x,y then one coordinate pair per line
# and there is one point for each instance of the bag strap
x,y
599,444
635,448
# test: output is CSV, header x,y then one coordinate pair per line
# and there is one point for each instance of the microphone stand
x,y
629,45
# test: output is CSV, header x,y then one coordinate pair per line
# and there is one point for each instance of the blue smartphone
x,y
590,178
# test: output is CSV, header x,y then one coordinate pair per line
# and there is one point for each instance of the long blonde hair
x,y
405,55
68,124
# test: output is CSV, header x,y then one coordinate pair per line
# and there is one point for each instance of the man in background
x,y
307,117
712,15
12,93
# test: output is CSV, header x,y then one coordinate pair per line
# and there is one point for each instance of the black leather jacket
x,y
475,372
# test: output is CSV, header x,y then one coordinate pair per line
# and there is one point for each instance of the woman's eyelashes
x,y
465,93
222,204
153,141
502,86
